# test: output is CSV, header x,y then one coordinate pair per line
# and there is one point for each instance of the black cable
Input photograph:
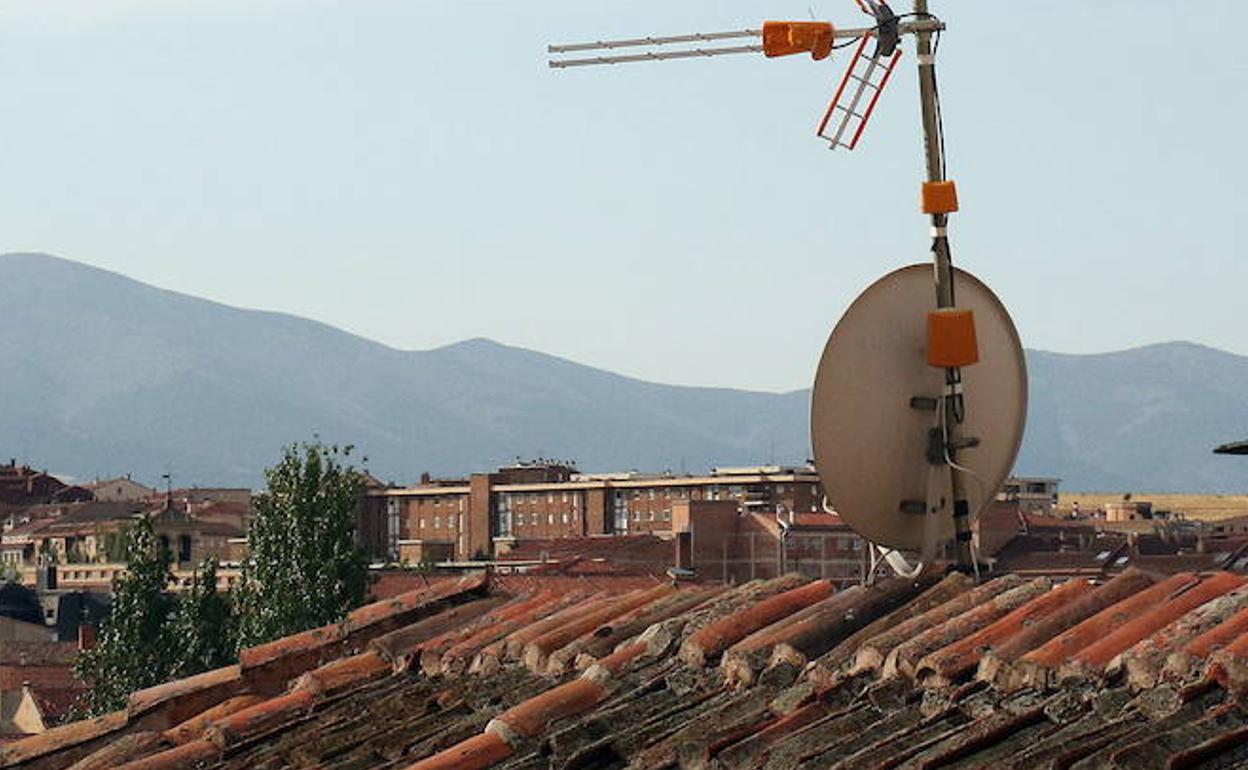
x,y
940,120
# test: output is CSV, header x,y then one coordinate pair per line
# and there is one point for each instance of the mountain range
x,y
102,375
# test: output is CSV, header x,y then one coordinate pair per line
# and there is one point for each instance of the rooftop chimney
x,y
86,636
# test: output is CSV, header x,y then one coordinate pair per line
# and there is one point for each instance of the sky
x,y
413,172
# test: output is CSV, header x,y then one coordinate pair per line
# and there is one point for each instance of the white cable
x,y
895,560
979,480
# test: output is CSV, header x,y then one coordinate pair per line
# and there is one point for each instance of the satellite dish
x,y
871,442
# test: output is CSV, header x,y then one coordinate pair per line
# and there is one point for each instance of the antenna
x,y
950,340
863,81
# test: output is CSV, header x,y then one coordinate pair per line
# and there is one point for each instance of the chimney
x,y
86,636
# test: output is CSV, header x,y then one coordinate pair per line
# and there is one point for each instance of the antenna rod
x,y
696,37
691,53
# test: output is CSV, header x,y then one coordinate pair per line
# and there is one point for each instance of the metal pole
x,y
943,259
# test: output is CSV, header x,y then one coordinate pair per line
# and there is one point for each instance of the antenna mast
x,y
938,187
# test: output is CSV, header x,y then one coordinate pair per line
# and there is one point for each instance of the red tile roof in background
x,y
462,673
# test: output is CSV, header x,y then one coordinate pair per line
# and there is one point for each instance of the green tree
x,y
115,544
136,648
203,627
303,567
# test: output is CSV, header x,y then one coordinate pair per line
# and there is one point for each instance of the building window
x,y
565,517
652,494
667,515
620,511
421,522
565,497
437,522
550,497
451,521
502,514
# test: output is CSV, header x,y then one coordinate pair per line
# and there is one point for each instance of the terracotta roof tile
x,y
538,651
399,645
942,667
1229,666
63,739
265,715
531,718
637,704
193,728
201,690
997,664
873,653
457,657
1045,659
118,752
813,631
1161,654
829,666
1100,652
476,753
184,757
905,657
710,642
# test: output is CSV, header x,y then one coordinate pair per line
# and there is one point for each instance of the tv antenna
x,y
944,337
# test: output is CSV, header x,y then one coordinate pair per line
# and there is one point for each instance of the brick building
x,y
484,515
23,485
91,535
718,541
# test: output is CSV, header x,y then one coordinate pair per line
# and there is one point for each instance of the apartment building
x,y
483,515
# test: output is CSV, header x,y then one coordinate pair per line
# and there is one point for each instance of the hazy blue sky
x,y
413,172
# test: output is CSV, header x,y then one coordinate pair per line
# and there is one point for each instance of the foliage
x,y
203,627
48,554
303,567
136,648
115,544
77,555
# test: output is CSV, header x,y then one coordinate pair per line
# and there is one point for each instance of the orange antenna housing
x,y
785,38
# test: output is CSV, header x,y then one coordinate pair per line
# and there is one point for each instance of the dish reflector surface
x,y
870,444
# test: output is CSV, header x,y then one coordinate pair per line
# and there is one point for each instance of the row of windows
x,y
452,521
452,501
535,519
671,493
652,516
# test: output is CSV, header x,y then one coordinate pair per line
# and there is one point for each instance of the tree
x,y
135,648
303,567
204,629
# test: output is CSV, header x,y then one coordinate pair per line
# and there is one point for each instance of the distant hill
x,y
1144,419
101,375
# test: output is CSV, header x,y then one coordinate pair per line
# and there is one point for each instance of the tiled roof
x,y
56,701
47,653
1140,671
